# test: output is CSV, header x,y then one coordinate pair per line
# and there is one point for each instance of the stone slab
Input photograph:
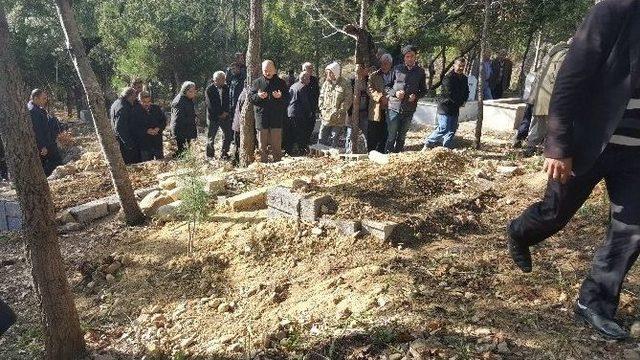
x,y
312,207
346,227
281,198
113,204
90,211
380,229
168,212
141,193
215,184
249,201
275,214
153,201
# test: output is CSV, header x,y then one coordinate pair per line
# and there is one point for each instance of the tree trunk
x,y
63,336
359,84
95,97
481,77
537,57
254,52
523,71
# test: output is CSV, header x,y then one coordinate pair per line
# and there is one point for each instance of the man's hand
x,y
277,94
151,132
412,98
44,151
400,94
262,94
559,169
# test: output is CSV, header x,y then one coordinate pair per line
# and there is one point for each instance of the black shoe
x,y
604,326
517,144
529,152
520,254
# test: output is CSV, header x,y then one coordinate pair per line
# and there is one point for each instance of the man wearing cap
x,y
336,96
409,85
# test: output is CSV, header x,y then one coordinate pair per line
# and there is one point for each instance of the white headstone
x,y
473,87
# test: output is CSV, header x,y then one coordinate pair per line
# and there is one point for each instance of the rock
x,y
317,231
395,356
215,184
379,158
168,184
226,339
110,278
237,347
419,349
168,212
480,173
153,201
509,170
503,348
65,217
249,201
313,207
91,211
630,354
187,343
380,229
70,227
154,350
113,268
176,193
224,308
635,330
141,193
62,171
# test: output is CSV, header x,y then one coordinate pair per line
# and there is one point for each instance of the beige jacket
x,y
376,91
335,100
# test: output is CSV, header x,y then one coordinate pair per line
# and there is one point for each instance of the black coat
x,y
123,123
215,107
270,112
594,84
299,104
149,119
41,128
455,92
236,85
314,93
183,118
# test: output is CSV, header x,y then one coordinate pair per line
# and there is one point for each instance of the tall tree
x,y
247,131
63,336
482,78
95,96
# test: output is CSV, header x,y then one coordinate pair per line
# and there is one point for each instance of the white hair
x,y
186,86
267,63
303,75
386,57
219,74
306,65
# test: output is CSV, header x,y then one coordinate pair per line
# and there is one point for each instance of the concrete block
x,y
503,115
249,201
91,211
113,204
64,217
346,227
282,199
380,229
153,201
312,207
215,184
274,213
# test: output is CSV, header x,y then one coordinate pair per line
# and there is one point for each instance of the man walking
x,y
409,85
594,134
217,100
455,92
268,95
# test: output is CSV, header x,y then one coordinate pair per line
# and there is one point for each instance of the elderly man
x,y
594,135
314,97
46,137
218,115
150,122
298,112
379,87
123,123
183,117
335,100
268,95
409,85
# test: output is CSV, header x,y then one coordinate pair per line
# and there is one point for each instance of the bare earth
x,y
271,289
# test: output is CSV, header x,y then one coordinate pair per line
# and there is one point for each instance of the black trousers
x,y
7,317
525,125
129,155
227,137
183,145
619,166
377,136
51,161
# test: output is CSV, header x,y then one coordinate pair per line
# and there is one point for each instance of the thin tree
x,y
362,65
254,52
63,336
482,75
95,96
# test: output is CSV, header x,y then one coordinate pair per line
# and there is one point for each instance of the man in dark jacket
x,y
313,89
298,112
409,85
268,95
46,140
183,117
594,134
217,100
123,123
236,77
455,92
150,123
501,68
